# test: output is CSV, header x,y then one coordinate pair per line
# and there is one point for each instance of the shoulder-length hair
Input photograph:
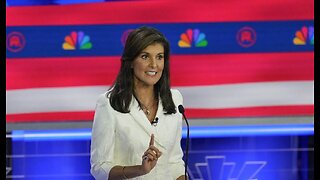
x,y
121,92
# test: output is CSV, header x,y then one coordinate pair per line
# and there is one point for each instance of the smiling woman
x,y
148,66
125,115
147,70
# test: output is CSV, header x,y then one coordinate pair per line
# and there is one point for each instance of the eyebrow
x,y
149,53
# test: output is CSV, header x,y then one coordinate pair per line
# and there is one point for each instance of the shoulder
x,y
176,96
175,93
103,105
103,100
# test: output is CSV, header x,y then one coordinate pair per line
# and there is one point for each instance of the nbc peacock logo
x,y
192,37
304,36
77,40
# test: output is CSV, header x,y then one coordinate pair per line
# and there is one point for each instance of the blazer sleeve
x,y
175,160
102,139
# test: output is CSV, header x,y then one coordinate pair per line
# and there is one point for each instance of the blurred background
x,y
244,68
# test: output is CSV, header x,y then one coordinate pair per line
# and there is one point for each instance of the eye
x,y
160,57
144,56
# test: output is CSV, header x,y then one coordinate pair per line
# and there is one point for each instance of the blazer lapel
x,y
140,118
160,130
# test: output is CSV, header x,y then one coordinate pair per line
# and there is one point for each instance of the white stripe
x,y
218,96
249,94
62,99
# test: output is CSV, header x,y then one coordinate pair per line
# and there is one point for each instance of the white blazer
x,y
122,138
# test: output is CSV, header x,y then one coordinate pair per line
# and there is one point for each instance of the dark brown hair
x,y
121,91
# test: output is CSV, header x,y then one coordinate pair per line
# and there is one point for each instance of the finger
x,y
152,153
149,151
151,143
156,150
150,157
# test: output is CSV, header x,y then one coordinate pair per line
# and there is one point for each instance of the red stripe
x,y
302,110
53,72
50,117
186,70
124,12
241,68
296,110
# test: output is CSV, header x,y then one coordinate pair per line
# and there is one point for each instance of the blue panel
x,y
195,132
227,170
262,165
215,164
51,159
202,170
262,157
250,130
276,36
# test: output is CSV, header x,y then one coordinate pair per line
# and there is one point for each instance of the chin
x,y
151,83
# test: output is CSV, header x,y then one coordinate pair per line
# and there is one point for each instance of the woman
x,y
136,131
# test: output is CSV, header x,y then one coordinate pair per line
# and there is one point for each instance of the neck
x,y
147,101
145,95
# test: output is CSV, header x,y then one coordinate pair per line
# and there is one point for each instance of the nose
x,y
153,62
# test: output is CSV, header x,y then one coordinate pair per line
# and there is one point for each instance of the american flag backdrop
x,y
228,58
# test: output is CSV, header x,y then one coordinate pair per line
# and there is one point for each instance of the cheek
x,y
161,65
138,72
138,68
161,71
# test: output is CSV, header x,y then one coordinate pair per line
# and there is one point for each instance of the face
x,y
148,65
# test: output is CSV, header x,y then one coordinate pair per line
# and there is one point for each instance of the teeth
x,y
151,73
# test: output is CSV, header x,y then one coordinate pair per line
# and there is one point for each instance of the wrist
x,y
142,171
123,173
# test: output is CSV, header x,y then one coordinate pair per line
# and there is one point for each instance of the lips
x,y
151,73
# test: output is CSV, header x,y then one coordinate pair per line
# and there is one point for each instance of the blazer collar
x,y
139,116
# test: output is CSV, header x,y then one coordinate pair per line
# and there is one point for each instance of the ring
x,y
144,157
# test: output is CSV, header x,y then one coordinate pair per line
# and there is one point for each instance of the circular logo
x,y
246,37
15,41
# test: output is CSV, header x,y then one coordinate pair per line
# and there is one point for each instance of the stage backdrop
x,y
229,58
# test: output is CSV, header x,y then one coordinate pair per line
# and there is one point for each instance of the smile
x,y
151,73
